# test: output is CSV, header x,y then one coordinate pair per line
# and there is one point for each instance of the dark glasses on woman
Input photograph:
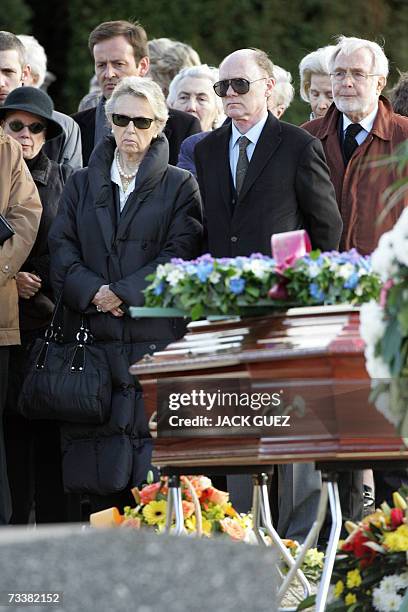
x,y
142,123
35,128
240,86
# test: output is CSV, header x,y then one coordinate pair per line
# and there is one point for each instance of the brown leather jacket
x,y
20,204
359,187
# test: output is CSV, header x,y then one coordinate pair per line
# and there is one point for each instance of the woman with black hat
x,y
33,448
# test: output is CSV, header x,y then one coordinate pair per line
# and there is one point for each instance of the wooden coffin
x,y
301,344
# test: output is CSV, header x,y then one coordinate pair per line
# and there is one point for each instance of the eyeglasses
x,y
240,86
142,123
35,128
356,75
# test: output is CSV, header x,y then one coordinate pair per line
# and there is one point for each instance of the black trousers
x,y
5,502
33,452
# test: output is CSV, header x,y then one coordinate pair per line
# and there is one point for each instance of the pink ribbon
x,y
287,248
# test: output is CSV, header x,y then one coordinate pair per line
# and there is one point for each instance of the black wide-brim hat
x,y
35,101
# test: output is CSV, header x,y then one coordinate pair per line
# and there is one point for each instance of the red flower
x,y
149,492
356,544
397,517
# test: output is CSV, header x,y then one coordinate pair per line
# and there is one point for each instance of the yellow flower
x,y
155,512
350,599
397,541
190,524
353,579
338,589
314,558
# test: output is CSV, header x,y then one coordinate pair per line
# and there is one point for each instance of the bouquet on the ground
x,y
371,569
384,326
209,285
207,512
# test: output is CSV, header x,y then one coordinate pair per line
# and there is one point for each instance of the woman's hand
x,y
107,301
27,284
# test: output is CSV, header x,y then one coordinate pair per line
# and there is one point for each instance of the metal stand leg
x,y
174,505
335,511
262,516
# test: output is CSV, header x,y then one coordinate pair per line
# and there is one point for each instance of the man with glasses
x,y
119,49
359,128
259,176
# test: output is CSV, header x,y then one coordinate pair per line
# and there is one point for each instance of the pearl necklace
x,y
126,178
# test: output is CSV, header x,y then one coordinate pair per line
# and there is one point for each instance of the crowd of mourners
x,y
167,157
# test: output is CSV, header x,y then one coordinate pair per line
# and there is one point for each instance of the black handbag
x,y
67,381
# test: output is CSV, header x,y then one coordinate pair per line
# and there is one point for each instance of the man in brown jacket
x,y
358,128
20,205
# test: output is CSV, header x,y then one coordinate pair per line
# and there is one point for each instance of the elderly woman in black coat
x,y
33,448
119,218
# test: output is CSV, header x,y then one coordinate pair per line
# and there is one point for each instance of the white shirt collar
x,y
253,134
366,123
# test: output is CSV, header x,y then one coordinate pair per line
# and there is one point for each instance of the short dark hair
x,y
399,95
10,42
133,32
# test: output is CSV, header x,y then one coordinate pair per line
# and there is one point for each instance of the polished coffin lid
x,y
317,350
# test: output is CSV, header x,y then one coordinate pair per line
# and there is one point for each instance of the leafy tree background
x,y
287,30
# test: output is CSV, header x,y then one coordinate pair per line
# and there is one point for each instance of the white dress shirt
x,y
366,124
253,135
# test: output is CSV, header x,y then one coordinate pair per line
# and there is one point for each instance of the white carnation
x,y
175,276
383,259
400,238
372,323
375,365
214,277
346,270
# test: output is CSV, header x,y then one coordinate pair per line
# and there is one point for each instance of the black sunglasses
x,y
142,123
240,86
35,128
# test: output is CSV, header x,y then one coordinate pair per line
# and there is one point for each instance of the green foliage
x,y
15,16
215,28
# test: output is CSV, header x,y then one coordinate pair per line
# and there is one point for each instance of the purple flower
x,y
237,285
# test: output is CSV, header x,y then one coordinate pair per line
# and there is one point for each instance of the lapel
x,y
266,146
101,189
222,164
133,204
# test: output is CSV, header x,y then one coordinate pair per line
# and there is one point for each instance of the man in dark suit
x,y
119,49
259,176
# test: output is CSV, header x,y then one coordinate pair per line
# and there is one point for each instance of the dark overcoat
x,y
91,245
287,187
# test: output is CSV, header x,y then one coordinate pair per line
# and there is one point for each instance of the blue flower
x,y
237,285
204,270
352,281
158,290
316,293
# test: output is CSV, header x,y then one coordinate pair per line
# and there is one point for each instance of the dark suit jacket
x,y
179,126
287,187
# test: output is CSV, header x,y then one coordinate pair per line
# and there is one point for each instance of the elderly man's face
x,y
11,73
114,60
251,106
356,95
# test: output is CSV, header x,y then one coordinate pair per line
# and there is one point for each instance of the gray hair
x,y
316,62
349,44
283,92
202,71
167,58
35,56
399,95
141,87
